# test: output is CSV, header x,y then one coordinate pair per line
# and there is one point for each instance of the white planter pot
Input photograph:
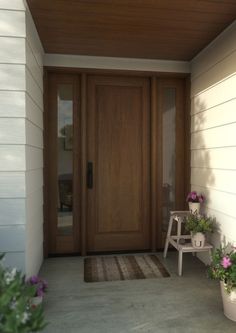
x,y
198,239
229,302
194,207
37,300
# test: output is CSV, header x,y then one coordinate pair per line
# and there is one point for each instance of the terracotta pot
x,y
198,239
194,207
229,302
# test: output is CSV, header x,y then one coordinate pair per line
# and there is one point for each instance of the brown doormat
x,y
130,267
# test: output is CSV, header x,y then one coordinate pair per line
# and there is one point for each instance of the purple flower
x,y
40,292
226,262
194,197
40,284
33,279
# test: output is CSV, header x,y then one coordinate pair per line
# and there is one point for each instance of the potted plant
x,y
223,268
17,315
198,225
40,288
194,200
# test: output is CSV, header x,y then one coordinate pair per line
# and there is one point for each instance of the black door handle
x,y
90,175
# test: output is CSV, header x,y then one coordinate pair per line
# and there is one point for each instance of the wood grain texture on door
x,y
118,139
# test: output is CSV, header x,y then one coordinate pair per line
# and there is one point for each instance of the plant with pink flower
x,y
226,262
223,267
195,197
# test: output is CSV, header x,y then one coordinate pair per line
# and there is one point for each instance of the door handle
x,y
90,175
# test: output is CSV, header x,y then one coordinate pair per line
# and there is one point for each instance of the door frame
x,y
157,80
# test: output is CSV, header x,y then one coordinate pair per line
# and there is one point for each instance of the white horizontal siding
x,y
12,23
12,77
9,243
12,50
222,180
12,211
15,259
12,158
220,201
217,158
34,201
33,112
12,4
12,185
12,131
12,104
34,148
34,249
34,180
224,69
224,230
223,136
34,135
34,158
216,116
213,133
33,89
33,39
217,94
33,66
219,50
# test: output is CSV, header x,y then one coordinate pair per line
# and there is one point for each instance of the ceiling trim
x,y
93,62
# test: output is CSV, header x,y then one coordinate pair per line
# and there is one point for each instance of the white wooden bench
x,y
174,240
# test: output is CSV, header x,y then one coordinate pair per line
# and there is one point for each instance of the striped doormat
x,y
129,267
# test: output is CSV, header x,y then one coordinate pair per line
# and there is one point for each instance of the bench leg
x,y
180,263
168,237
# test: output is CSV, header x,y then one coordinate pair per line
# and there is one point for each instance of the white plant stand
x,y
174,240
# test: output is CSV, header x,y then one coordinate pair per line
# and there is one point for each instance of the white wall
x,y
213,132
21,105
12,132
34,148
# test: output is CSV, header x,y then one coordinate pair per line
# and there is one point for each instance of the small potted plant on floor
x,y
17,315
223,268
40,286
194,201
199,226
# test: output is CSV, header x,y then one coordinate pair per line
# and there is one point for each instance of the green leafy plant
x,y
17,314
199,223
223,267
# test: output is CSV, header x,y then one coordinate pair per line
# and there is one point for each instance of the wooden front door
x,y
118,155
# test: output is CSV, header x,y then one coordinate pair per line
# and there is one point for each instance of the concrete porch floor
x,y
190,303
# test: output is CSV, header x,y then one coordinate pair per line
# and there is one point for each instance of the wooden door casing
x,y
118,145
89,84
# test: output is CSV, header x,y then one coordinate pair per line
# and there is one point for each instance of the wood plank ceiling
x,y
155,29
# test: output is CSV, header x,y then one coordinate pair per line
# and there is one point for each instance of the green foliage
x,y
17,315
223,267
198,223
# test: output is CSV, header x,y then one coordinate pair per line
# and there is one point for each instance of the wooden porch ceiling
x,y
155,29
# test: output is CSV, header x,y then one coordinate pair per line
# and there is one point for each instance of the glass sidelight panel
x,y
169,155
65,159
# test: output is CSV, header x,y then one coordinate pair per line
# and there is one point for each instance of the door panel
x,y
171,148
118,214
62,163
